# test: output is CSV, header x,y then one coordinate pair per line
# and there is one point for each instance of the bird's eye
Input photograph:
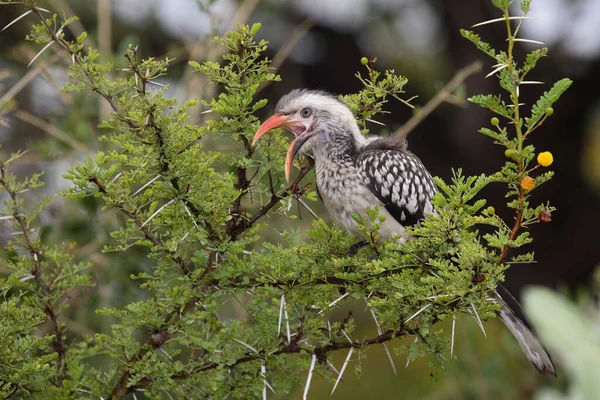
x,y
305,112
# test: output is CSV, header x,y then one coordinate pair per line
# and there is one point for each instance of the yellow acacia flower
x,y
527,183
545,159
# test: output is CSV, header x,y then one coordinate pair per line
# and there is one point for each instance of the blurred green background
x,y
318,44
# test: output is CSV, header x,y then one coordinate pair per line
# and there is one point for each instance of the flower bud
x,y
545,216
545,159
527,183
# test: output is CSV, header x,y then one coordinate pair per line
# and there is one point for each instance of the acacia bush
x,y
200,217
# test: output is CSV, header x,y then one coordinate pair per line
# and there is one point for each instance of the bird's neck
x,y
333,144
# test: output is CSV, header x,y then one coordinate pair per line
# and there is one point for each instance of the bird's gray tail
x,y
511,314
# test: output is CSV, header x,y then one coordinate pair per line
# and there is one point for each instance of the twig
x,y
28,77
439,98
287,47
51,130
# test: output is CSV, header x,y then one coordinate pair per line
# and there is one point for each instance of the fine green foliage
x,y
41,279
200,216
370,100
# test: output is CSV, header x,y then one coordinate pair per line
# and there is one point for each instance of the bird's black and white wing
x,y
400,181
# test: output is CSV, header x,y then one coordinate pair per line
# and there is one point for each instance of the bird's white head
x,y
318,120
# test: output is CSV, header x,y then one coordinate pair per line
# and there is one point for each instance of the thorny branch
x,y
320,351
245,224
36,256
149,236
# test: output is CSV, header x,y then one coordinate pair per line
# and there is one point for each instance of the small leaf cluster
x,y
40,280
378,86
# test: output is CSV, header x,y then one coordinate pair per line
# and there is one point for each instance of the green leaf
x,y
493,103
476,39
546,101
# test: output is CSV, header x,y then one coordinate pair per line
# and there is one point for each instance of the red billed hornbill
x,y
354,172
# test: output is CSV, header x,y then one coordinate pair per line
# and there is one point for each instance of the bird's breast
x,y
345,194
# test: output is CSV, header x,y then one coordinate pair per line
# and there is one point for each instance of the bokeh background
x,y
318,44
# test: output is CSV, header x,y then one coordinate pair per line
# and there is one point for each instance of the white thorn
x,y
206,111
165,352
408,361
329,328
387,351
157,211
281,302
347,337
146,185
26,13
287,322
333,367
339,378
517,91
263,372
247,345
184,237
418,312
452,341
115,178
190,214
527,41
491,21
27,277
375,122
512,105
38,54
42,9
500,68
389,355
315,216
157,84
310,374
436,275
531,83
477,319
335,301
6,217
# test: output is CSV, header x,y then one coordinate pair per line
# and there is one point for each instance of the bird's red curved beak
x,y
276,121
297,127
